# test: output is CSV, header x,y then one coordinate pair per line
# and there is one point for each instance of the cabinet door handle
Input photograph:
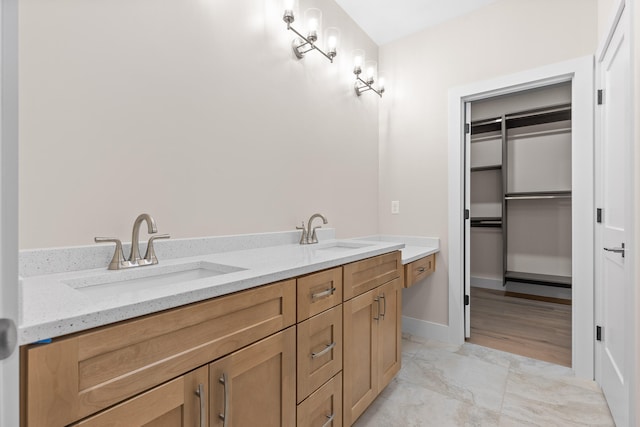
x,y
225,413
384,306
324,351
329,420
377,300
201,396
324,293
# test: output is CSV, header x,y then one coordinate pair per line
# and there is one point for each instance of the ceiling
x,y
388,20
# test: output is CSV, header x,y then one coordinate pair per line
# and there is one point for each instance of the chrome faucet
x,y
134,257
118,262
309,235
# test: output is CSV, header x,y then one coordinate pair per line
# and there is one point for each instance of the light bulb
x,y
381,84
313,18
358,60
332,36
312,24
370,67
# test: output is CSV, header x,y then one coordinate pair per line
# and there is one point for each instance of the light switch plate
x,y
395,207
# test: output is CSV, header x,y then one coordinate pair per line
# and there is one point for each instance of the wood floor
x,y
536,329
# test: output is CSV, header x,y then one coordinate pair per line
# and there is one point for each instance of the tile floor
x,y
469,385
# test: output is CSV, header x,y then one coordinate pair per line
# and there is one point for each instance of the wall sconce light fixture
x,y
313,19
370,70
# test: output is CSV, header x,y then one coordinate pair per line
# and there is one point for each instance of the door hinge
x,y
466,300
599,333
467,128
599,215
600,96
466,214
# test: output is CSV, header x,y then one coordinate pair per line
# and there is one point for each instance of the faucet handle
x,y
150,255
303,236
118,257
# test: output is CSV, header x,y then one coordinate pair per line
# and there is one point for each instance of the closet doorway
x,y
519,192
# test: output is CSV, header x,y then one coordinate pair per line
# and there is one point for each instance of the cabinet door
x,y
319,350
389,331
360,369
256,386
180,402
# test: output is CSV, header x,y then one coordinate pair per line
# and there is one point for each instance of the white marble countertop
x,y
59,296
415,247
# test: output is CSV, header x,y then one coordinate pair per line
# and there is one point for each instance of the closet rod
x,y
538,196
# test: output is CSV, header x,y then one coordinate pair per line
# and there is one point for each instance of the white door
x,y
613,251
9,365
467,222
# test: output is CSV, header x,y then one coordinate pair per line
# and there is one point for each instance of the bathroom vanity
x,y
312,349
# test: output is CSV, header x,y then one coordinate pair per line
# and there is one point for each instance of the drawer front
x,y
419,269
77,376
324,407
319,350
175,403
319,292
362,276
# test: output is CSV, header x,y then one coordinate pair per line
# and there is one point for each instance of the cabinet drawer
x,y
318,292
362,276
77,376
324,407
419,269
319,350
175,403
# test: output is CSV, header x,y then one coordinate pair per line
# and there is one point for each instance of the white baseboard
x,y
425,329
521,288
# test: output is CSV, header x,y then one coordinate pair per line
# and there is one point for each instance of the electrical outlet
x,y
395,207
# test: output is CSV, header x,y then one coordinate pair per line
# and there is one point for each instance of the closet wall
x,y
521,199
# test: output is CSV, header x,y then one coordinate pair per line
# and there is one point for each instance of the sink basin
x,y
143,278
341,246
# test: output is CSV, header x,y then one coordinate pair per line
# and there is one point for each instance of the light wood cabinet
x,y
77,376
181,402
372,343
276,355
318,292
324,407
319,350
419,269
362,276
256,386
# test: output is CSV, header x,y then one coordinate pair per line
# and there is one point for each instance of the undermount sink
x,y
139,279
342,245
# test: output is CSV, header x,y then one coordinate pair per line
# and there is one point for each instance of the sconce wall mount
x,y
303,44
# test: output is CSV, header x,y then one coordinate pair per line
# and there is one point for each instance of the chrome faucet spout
x,y
134,257
311,232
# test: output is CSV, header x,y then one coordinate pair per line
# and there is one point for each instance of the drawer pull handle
x,y
200,394
421,270
324,293
329,420
377,300
223,416
324,351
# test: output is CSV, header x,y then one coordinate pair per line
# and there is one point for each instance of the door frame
x,y
580,72
9,308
